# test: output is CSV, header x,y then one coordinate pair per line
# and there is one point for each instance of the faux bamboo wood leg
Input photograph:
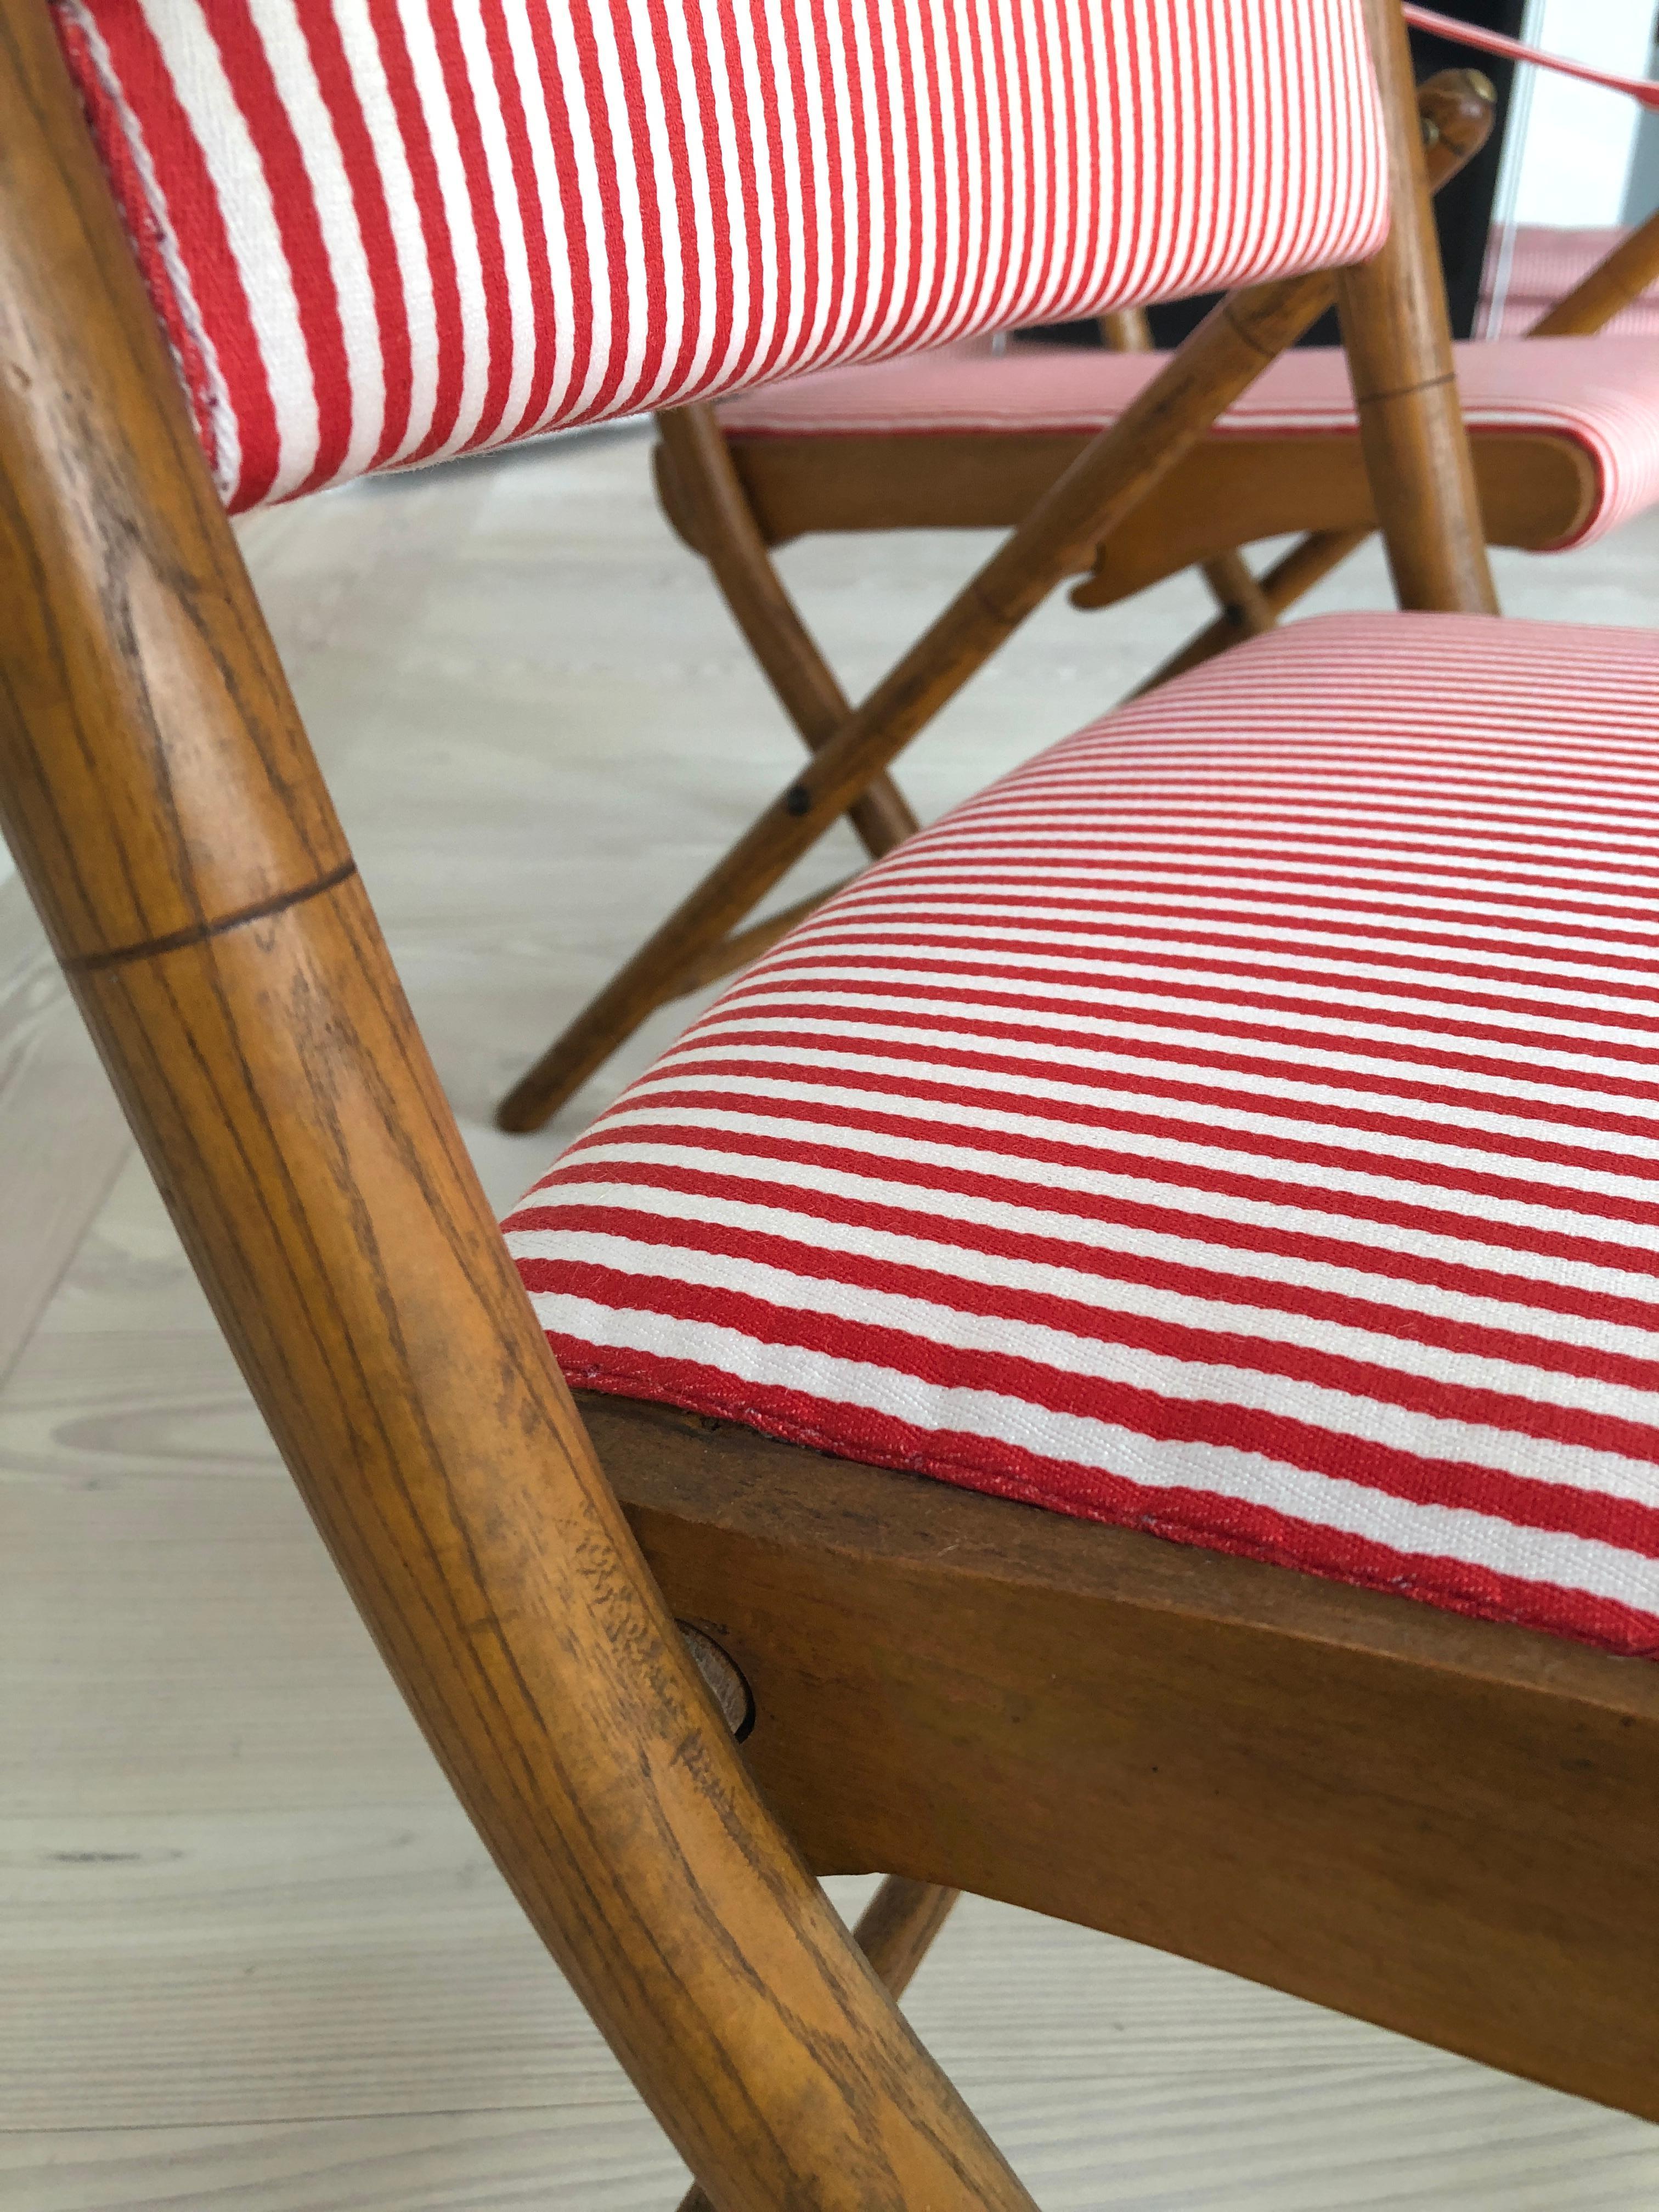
x,y
1292,575
1221,358
896,1932
1243,608
763,611
1394,326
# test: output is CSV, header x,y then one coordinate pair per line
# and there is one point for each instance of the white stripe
x,y
1391,1342
428,72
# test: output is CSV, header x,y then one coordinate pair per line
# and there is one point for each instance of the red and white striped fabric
x,y
1241,1123
381,231
1535,266
1601,394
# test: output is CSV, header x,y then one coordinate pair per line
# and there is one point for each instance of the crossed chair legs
x,y
705,939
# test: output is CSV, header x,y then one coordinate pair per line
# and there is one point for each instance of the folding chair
x,y
1258,1079
1566,447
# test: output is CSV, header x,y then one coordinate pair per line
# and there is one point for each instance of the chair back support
x,y
162,801
380,231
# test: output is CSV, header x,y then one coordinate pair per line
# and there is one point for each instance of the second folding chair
x,y
1566,438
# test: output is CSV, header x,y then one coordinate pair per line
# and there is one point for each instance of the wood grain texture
x,y
896,1931
1438,1824
243,1922
162,804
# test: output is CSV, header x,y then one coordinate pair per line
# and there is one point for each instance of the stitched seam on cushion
x,y
154,245
1447,1594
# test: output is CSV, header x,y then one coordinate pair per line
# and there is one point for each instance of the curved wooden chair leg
x,y
163,805
896,1932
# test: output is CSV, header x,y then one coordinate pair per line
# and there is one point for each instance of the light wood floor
x,y
253,1958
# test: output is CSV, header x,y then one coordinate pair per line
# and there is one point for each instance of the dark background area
x,y
1462,208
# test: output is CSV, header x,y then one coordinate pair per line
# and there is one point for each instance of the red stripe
x,y
253,86
609,1156
1181,1515
1090,991
644,334
556,106
440,249
1191,1045
487,236
1164,906
539,336
1343,1159
1260,1188
874,947
741,213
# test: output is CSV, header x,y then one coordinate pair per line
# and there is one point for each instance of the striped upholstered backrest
x,y
379,231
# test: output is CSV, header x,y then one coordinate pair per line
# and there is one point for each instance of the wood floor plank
x,y
62,1136
1114,2085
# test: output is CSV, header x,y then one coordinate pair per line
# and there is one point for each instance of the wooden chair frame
x,y
1102,490
1443,1825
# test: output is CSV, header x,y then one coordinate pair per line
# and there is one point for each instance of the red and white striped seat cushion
x,y
1601,394
1538,264
381,231
1241,1123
